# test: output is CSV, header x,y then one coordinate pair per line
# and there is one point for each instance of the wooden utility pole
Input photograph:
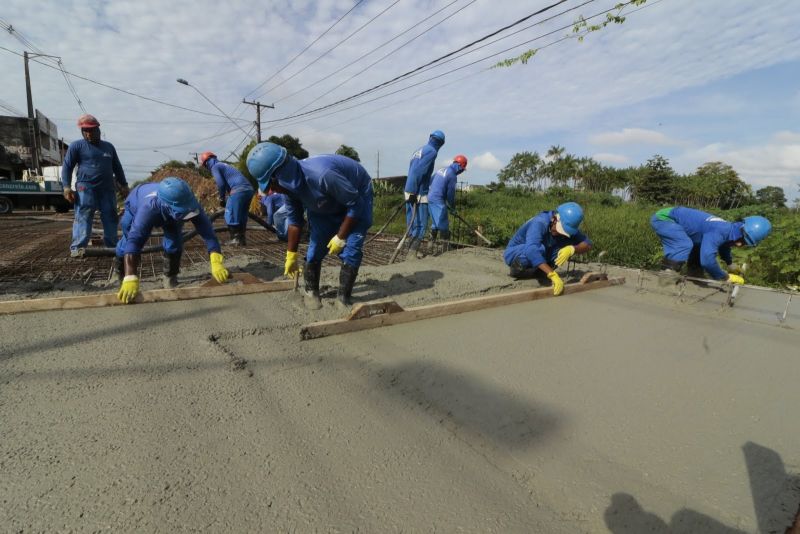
x,y
196,157
32,128
258,106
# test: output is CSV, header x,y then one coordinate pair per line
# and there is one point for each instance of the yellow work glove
x,y
735,279
218,270
336,245
558,284
290,268
564,255
128,289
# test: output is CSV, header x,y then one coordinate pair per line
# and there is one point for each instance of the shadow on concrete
x,y
76,338
775,494
371,289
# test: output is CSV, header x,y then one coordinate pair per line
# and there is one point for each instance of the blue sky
x,y
694,81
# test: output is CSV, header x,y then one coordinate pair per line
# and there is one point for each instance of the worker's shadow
x,y
775,493
371,289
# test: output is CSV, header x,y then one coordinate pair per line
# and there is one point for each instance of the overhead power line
x,y
178,144
11,109
440,58
125,91
337,45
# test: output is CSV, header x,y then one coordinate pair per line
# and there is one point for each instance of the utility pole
x,y
258,106
31,120
196,157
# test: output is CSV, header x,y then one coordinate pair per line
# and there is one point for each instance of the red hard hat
x,y
204,157
461,160
88,121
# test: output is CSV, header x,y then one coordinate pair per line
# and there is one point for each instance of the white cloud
x,y
632,136
607,157
787,136
486,162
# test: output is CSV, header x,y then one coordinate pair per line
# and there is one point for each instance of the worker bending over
x,y
337,192
546,242
231,184
696,237
275,207
165,205
442,197
416,189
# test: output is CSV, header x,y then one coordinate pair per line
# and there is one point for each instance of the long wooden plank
x,y
342,326
155,295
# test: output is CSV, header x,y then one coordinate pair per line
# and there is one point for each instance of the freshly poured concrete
x,y
612,410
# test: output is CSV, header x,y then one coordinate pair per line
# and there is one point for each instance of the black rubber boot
x,y
311,274
242,232
520,272
432,242
413,247
671,274
347,279
444,245
119,267
234,241
172,266
672,265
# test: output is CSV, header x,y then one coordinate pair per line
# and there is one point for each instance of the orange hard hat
x,y
204,157
87,121
461,160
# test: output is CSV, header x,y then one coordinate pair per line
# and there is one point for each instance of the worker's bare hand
x,y
124,190
69,195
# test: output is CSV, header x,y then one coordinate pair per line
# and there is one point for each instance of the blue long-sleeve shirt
x,y
535,241
421,167
149,212
273,203
328,184
713,234
228,178
98,165
443,185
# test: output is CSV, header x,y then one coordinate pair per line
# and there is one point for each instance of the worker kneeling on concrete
x,y
696,237
233,185
337,192
165,205
546,242
442,197
277,215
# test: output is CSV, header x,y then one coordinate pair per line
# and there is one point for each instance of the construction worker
x,y
696,237
235,194
165,205
416,189
546,242
337,192
442,197
98,168
277,215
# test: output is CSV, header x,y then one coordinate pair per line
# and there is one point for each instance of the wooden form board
x,y
245,286
373,315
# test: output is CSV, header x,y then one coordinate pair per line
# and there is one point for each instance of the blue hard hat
x,y
178,197
570,216
263,160
755,229
438,134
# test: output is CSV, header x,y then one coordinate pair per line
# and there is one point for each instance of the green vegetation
x,y
350,152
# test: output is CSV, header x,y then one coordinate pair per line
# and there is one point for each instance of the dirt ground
x,y
627,410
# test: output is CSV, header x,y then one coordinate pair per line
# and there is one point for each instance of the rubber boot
x,y
119,267
242,232
671,273
172,266
311,274
234,241
347,278
413,247
444,244
432,243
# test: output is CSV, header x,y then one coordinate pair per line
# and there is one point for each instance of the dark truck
x,y
30,194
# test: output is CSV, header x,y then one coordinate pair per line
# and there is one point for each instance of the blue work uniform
x,y
144,211
688,233
98,167
533,244
330,188
418,182
232,184
442,195
277,215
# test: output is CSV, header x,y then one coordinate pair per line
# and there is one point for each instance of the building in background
x,y
16,145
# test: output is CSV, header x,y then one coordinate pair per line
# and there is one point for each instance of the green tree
x,y
772,195
241,162
348,151
655,182
722,186
522,170
291,144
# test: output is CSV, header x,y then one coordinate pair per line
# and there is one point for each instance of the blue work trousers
x,y
88,200
420,221
280,220
172,240
676,242
237,206
325,226
439,217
